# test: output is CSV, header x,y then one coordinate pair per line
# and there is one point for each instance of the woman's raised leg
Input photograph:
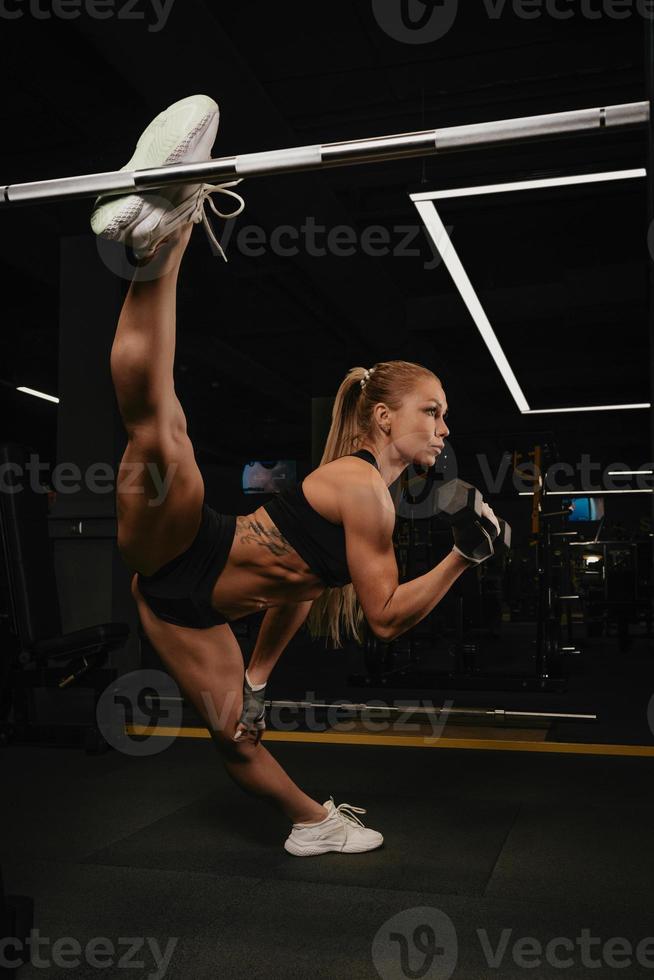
x,y
154,526
159,488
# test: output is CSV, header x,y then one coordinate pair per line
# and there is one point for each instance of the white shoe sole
x,y
186,127
311,849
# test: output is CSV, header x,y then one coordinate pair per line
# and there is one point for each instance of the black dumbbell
x,y
458,503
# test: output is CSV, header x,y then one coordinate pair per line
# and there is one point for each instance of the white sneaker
x,y
183,133
341,831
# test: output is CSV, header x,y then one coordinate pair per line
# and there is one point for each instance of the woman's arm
x,y
390,608
279,626
410,602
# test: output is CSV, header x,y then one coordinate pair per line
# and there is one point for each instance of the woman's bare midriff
x,y
257,576
262,571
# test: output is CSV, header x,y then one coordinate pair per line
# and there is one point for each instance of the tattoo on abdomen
x,y
252,532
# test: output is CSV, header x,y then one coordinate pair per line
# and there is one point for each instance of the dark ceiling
x,y
562,273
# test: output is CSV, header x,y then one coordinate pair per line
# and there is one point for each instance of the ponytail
x,y
339,608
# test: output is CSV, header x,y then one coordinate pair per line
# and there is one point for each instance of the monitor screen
x,y
585,508
269,475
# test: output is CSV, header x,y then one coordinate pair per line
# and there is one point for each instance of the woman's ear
x,y
383,418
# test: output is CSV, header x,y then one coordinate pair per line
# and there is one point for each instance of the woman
x,y
195,570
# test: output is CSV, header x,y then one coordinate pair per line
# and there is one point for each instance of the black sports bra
x,y
318,541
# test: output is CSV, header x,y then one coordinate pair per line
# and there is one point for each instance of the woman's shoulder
x,y
345,480
349,468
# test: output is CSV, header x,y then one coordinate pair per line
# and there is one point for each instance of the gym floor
x,y
515,848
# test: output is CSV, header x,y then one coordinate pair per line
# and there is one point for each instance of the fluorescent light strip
x,y
580,493
443,243
631,472
528,185
587,408
38,394
434,225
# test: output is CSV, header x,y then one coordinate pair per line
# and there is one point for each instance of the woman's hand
x,y
278,627
251,724
474,539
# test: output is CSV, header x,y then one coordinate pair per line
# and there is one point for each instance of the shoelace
x,y
200,212
348,811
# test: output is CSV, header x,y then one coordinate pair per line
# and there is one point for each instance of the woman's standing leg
x,y
208,666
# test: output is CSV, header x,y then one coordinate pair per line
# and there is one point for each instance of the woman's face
x,y
417,427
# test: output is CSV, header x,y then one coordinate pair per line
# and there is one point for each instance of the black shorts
x,y
180,591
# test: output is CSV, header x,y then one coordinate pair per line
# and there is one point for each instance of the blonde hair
x,y
338,609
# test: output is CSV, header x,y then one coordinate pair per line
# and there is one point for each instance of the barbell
x,y
328,155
